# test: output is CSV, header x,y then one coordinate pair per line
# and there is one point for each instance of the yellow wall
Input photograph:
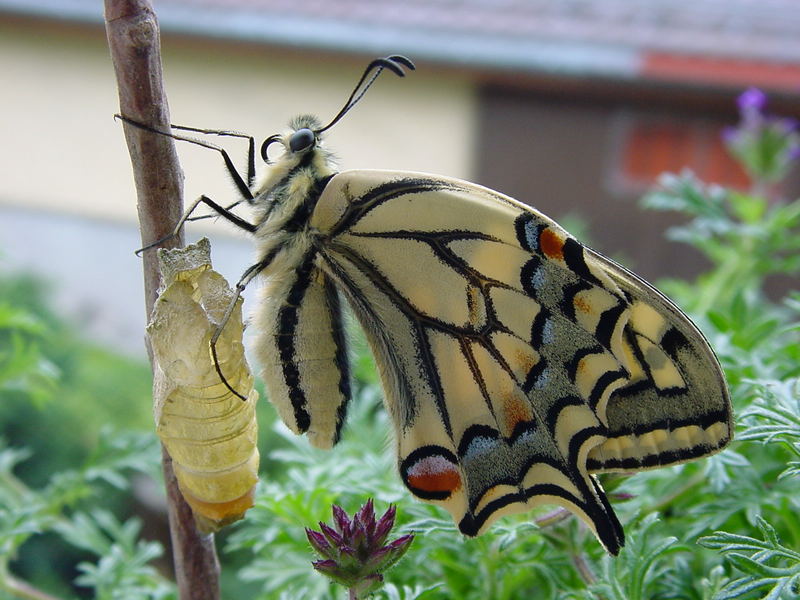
x,y
61,150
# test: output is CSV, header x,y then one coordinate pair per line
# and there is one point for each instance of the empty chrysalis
x,y
516,362
209,431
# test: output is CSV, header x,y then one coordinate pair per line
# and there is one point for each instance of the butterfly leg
x,y
238,180
221,211
251,164
245,279
251,148
241,184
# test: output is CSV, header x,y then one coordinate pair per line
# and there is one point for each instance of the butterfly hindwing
x,y
500,341
674,406
515,361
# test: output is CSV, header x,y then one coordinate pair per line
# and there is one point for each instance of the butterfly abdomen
x,y
300,343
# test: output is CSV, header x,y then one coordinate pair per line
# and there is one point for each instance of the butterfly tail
x,y
607,527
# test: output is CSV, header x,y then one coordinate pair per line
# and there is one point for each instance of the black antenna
x,y
394,63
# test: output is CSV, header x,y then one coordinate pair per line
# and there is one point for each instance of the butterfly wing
x,y
674,406
502,342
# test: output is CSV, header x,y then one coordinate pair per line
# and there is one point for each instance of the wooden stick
x,y
133,38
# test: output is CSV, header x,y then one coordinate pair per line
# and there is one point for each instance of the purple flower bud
x,y
752,100
359,537
366,515
326,566
384,525
401,543
354,553
331,534
388,555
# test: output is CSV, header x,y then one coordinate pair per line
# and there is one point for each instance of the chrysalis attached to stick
x,y
208,430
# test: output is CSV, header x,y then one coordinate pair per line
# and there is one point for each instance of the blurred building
x,y
573,106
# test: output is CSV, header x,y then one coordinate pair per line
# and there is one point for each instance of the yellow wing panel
x,y
515,361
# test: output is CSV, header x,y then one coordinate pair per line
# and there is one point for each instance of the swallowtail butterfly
x,y
516,362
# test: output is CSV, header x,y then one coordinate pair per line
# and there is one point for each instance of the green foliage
x,y
771,570
745,238
23,369
79,459
636,573
765,145
122,570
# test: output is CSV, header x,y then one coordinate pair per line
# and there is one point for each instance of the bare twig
x,y
132,30
21,589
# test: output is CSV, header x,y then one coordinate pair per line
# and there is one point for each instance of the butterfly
x,y
516,363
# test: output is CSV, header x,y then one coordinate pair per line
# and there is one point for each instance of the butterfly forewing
x,y
514,360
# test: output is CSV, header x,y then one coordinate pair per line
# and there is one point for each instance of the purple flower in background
x,y
752,100
765,145
354,552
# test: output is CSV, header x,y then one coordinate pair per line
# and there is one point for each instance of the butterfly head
x,y
306,129
302,138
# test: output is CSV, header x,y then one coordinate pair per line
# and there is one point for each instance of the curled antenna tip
x,y
406,62
393,63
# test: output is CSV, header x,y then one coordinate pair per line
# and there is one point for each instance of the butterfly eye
x,y
267,143
301,139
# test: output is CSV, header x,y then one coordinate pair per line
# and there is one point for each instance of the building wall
x,y
62,150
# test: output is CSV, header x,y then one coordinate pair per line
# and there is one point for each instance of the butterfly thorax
x,y
286,194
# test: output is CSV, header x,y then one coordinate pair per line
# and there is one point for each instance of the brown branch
x,y
22,589
133,38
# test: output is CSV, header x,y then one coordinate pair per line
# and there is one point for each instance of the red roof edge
x,y
721,71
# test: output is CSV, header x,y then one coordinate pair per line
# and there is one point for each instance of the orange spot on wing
x,y
525,360
582,305
551,244
582,366
431,475
515,411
